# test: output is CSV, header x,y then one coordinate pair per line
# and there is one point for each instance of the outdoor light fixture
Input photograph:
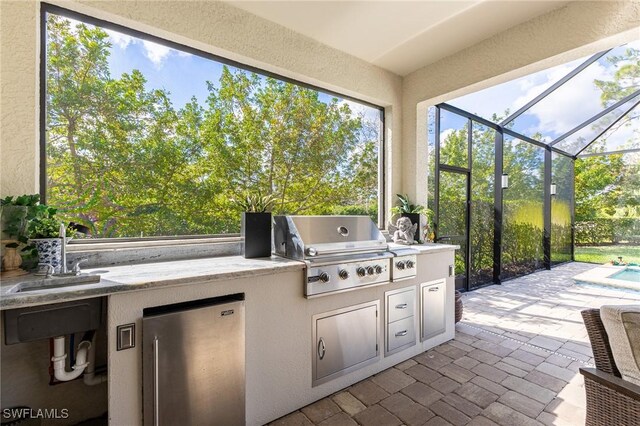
x,y
553,189
505,181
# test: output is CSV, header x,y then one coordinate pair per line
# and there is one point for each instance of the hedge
x,y
608,231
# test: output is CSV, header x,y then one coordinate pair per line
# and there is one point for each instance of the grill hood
x,y
313,237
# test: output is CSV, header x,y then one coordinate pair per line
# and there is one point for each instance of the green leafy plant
x,y
256,203
406,206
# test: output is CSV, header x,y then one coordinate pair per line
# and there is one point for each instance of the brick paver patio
x,y
514,361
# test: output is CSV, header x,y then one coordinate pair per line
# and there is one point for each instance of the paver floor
x,y
514,361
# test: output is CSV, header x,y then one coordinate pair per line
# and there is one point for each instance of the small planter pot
x,y
256,230
49,251
415,219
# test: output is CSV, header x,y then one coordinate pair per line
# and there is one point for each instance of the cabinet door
x,y
433,308
345,340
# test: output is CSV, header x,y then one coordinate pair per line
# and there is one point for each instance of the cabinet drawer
x,y
401,305
433,309
401,333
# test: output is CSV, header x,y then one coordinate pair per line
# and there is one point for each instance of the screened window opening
x,y
146,138
567,141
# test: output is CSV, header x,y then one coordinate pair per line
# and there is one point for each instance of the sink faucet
x,y
75,270
49,269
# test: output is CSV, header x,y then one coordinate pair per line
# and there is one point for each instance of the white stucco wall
x,y
576,30
210,26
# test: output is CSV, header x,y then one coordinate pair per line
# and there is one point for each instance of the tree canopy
x,y
123,160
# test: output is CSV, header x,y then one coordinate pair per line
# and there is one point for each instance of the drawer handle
x,y
401,306
321,348
434,289
401,333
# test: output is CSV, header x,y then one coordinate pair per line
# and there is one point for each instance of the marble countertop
x,y
136,277
144,276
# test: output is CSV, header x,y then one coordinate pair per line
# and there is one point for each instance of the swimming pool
x,y
627,277
628,274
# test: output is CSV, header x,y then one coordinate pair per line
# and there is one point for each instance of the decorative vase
x,y
415,219
49,251
256,230
11,259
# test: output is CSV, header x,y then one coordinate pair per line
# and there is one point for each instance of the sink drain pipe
x,y
59,359
90,377
85,360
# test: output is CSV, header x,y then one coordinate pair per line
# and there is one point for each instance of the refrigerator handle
x,y
156,390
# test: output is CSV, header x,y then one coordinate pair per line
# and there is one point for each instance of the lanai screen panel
x,y
618,123
562,177
482,204
583,96
495,103
523,208
625,134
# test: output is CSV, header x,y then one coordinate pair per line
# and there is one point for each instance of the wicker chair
x,y
610,399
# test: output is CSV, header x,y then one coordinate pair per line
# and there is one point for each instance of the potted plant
x,y
256,224
413,212
15,212
43,229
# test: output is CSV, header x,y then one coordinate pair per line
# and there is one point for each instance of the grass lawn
x,y
604,254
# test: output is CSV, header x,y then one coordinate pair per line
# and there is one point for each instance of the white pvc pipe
x,y
90,378
59,356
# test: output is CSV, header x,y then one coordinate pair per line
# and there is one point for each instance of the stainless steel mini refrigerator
x,y
194,363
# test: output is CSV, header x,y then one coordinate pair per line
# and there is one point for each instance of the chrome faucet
x,y
75,270
49,270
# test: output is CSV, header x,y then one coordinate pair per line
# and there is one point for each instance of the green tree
x,y
122,160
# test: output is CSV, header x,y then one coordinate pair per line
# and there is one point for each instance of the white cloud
x,y
445,134
155,52
361,110
572,103
119,39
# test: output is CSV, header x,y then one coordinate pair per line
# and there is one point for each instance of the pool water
x,y
628,274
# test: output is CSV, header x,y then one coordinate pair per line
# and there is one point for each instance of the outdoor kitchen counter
x,y
117,279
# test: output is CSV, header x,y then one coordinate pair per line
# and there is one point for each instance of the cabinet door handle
x,y
401,333
321,348
401,306
156,385
434,289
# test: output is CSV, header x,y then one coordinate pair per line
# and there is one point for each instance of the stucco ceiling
x,y
400,36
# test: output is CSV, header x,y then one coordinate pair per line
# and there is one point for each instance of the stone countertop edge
x,y
426,247
125,278
138,277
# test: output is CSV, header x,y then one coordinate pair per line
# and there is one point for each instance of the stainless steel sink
x,y
35,283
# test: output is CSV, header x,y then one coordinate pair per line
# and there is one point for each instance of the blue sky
x,y
182,74
561,111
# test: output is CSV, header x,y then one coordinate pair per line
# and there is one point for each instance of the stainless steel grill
x,y
341,252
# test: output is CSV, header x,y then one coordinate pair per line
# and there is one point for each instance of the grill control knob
x,y
378,269
324,277
400,265
344,274
410,264
370,270
361,272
